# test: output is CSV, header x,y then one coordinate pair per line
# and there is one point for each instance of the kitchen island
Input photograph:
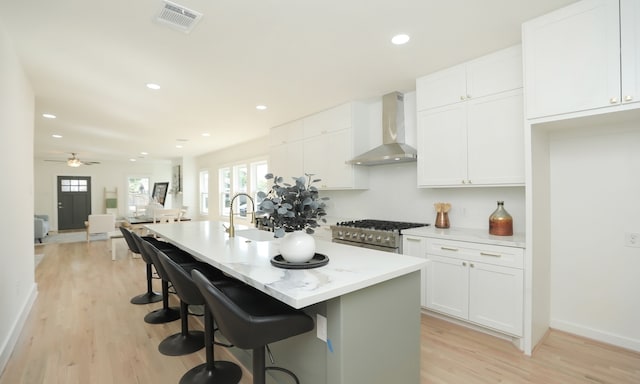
x,y
370,300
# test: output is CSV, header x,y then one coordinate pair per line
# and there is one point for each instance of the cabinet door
x,y
496,297
286,160
448,286
630,50
416,246
498,72
572,59
441,88
495,139
331,120
442,146
325,156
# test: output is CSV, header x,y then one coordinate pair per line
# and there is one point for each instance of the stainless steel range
x,y
373,234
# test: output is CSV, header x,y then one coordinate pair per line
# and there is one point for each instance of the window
x,y
204,192
137,195
244,177
73,185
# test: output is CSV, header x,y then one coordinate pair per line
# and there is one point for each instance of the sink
x,y
255,234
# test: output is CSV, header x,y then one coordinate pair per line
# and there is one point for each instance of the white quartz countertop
x,y
247,257
467,234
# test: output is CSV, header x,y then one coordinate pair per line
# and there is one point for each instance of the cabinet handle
x,y
464,264
462,97
464,181
449,249
490,254
628,98
412,239
468,181
613,100
468,96
471,265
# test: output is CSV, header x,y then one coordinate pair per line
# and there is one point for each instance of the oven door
x,y
368,246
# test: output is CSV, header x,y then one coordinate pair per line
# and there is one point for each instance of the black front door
x,y
74,201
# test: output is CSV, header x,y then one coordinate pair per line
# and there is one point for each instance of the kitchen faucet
x,y
231,230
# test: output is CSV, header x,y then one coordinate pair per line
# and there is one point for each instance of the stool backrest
x,y
181,280
249,318
139,240
131,243
152,252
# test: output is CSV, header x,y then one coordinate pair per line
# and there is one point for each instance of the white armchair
x,y
103,223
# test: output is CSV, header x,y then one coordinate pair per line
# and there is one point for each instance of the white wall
x,y
595,199
108,175
17,286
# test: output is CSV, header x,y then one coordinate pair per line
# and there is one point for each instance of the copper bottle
x,y
500,222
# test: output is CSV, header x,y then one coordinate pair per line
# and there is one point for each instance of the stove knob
x,y
370,237
387,239
378,238
340,234
347,234
363,236
354,235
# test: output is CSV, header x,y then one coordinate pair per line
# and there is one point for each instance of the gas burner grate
x,y
380,225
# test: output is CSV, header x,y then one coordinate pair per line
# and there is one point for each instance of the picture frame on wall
x,y
159,193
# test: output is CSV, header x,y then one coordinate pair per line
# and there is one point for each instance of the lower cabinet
x,y
479,283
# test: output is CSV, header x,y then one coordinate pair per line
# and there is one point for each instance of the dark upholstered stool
x,y
150,296
186,341
165,314
251,319
219,372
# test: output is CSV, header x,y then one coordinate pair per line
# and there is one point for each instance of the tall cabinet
x,y
470,123
583,57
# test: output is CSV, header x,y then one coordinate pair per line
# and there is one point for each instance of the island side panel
x,y
375,334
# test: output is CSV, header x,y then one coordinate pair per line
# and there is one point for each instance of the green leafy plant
x,y
291,207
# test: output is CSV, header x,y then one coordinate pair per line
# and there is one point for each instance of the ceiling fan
x,y
74,161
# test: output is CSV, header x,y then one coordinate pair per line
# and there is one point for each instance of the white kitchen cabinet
x,y
285,150
417,246
478,142
572,58
321,144
479,283
498,72
331,138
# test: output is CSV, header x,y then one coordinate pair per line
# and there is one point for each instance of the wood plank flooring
x,y
82,329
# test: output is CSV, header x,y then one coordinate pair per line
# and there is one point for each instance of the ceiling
x,y
89,60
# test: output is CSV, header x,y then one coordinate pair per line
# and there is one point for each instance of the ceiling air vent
x,y
178,17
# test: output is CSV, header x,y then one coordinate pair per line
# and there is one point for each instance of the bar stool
x,y
150,296
219,372
251,319
165,314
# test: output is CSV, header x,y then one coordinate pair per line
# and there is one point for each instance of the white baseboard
x,y
16,328
596,334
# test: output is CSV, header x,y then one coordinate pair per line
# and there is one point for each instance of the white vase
x,y
298,247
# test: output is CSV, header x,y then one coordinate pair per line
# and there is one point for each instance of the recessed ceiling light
x,y
132,159
178,146
206,134
48,116
153,86
144,153
261,107
57,136
400,39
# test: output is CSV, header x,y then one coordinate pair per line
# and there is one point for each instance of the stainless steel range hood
x,y
393,148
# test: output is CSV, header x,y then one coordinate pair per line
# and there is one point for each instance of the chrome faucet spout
x,y
231,229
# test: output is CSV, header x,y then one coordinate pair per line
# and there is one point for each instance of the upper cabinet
x,y
321,144
582,57
475,136
487,75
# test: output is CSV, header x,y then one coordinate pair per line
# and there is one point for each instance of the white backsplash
x,y
393,195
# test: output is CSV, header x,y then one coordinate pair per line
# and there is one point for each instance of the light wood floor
x,y
83,329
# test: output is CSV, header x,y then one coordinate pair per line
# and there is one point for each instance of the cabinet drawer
x,y
490,254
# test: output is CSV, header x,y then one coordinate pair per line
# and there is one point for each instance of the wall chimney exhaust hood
x,y
393,148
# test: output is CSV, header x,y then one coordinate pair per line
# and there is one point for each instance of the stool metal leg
x,y
150,296
184,342
259,364
212,372
165,314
